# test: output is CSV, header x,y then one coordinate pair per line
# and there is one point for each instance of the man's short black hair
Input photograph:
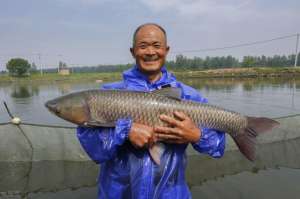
x,y
147,24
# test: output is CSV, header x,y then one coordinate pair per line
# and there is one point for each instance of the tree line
x,y
182,62
197,63
19,66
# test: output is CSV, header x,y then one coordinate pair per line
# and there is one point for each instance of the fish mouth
x,y
52,106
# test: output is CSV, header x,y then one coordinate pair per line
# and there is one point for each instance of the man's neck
x,y
154,77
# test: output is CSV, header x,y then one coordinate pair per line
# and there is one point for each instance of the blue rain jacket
x,y
127,172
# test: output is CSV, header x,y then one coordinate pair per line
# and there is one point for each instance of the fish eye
x,y
58,110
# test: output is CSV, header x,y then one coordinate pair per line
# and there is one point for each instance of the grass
x,y
210,73
242,72
53,77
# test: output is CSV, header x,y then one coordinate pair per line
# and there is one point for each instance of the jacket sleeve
x,y
101,143
211,142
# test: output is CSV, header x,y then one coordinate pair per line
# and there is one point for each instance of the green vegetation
x,y
182,67
18,67
52,77
112,76
242,72
184,63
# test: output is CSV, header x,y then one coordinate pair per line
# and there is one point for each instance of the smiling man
x,y
150,50
127,170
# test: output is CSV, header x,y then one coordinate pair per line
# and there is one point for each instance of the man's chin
x,y
151,65
150,68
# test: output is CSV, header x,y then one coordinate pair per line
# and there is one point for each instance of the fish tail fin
x,y
246,140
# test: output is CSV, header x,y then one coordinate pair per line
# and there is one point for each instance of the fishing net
x,y
39,157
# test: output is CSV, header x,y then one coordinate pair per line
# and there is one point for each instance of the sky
x,y
92,32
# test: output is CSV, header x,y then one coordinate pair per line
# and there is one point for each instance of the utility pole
x,y
41,67
297,43
60,60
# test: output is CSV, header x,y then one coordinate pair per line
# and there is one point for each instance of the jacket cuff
x,y
122,130
211,142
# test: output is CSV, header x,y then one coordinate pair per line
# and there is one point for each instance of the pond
x,y
276,176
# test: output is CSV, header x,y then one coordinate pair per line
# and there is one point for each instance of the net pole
x,y
297,43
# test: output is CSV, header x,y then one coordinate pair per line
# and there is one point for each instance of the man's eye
x,y
143,46
157,46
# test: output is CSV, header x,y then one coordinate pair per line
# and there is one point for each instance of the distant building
x,y
64,71
63,68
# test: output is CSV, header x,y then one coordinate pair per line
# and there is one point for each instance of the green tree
x,y
248,61
17,66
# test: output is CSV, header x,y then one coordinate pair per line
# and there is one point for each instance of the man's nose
x,y
150,50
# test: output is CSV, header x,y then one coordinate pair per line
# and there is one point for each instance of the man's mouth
x,y
150,59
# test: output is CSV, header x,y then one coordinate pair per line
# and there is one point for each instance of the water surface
x,y
275,175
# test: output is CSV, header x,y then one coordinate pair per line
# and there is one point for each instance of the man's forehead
x,y
150,32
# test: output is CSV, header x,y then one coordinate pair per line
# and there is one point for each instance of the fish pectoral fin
x,y
156,152
94,123
170,92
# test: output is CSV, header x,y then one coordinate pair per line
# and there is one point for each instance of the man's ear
x,y
132,52
168,49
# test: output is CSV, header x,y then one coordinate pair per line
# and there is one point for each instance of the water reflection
x,y
249,84
64,88
271,155
24,91
76,176
268,183
277,150
48,178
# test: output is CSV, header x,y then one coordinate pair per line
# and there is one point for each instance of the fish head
x,y
72,108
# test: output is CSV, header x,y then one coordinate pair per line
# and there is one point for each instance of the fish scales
x,y
101,108
145,108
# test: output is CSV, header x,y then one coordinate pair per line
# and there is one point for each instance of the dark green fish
x,y
102,108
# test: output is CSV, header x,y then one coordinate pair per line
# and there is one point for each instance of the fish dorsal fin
x,y
171,92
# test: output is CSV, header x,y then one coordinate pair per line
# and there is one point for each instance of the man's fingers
x,y
175,141
165,133
167,130
169,120
171,139
141,136
166,137
180,115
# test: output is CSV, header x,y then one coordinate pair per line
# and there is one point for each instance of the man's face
x,y
150,49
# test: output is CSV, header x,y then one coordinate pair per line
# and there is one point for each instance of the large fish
x,y
102,108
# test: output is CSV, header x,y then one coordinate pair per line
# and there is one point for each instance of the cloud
x,y
191,8
84,2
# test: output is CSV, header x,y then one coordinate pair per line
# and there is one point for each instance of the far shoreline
x,y
255,72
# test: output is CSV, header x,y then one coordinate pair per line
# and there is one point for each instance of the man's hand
x,y
179,130
141,135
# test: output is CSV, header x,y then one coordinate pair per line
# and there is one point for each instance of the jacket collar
x,y
134,77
